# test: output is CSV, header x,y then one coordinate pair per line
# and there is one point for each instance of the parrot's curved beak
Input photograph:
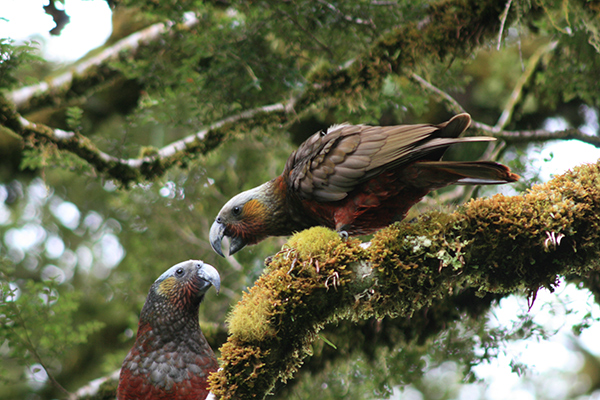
x,y
217,232
208,273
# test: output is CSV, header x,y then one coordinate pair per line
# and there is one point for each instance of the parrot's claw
x,y
343,235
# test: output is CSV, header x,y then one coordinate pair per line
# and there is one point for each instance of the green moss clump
x,y
314,242
250,319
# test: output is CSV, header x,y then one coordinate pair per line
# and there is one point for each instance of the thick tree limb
x,y
497,245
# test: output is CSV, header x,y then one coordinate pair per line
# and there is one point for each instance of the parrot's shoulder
x,y
330,163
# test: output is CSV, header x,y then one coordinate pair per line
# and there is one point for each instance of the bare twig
x,y
542,135
502,22
348,18
520,136
322,45
32,348
524,79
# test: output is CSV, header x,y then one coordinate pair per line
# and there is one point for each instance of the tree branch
x,y
541,135
497,245
148,167
95,69
497,131
101,388
502,23
450,102
524,80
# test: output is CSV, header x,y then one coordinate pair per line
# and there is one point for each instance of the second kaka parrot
x,y
170,358
354,178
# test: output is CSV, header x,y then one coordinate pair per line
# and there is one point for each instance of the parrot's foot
x,y
343,235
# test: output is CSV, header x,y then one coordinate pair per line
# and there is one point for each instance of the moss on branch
x,y
494,246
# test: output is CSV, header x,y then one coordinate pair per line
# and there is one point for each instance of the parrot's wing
x,y
331,163
326,167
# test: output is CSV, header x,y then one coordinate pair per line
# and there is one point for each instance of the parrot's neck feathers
x,y
168,316
269,198
270,194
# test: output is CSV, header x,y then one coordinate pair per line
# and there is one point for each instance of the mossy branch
x,y
497,245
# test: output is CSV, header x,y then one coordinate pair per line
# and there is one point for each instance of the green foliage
x,y
41,157
567,72
37,322
15,61
565,63
73,117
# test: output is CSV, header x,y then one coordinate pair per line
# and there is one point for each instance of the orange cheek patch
x,y
254,209
253,219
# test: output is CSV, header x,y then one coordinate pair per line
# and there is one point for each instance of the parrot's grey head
x,y
187,281
177,292
242,220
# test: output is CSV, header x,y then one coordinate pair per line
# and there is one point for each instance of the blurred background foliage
x,y
78,252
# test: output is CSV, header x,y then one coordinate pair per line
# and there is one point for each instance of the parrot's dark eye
x,y
236,210
179,272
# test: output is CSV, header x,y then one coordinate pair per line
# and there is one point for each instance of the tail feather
x,y
455,126
469,172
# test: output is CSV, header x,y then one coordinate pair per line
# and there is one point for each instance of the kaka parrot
x,y
354,178
170,358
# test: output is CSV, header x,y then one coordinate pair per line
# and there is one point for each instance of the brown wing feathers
x,y
330,164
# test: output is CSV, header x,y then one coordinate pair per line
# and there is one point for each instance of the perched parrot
x,y
355,179
170,358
